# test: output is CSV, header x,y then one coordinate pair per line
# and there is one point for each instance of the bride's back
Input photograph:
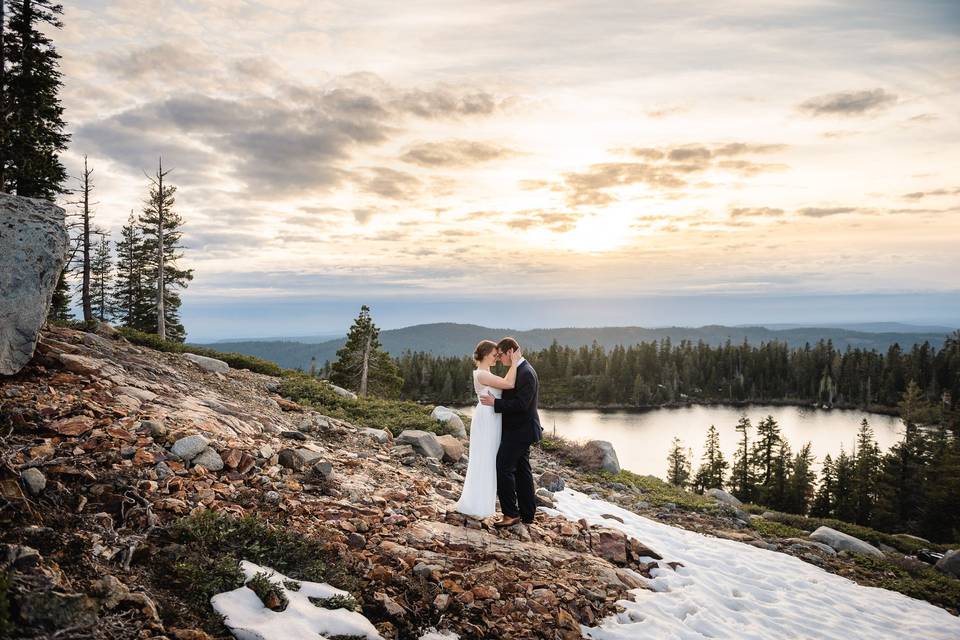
x,y
483,389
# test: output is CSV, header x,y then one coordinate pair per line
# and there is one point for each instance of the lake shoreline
x,y
630,408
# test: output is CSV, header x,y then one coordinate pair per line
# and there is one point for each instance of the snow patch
x,y
433,634
727,589
248,619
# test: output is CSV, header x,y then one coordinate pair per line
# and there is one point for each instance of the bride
x,y
479,497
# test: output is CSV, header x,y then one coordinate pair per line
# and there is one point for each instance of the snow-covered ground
x,y
248,619
728,589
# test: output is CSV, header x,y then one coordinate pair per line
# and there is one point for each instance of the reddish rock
x,y
75,426
611,545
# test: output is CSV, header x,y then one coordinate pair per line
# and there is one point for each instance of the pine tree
x,y
742,482
823,501
801,481
714,466
161,246
33,128
361,363
101,276
867,461
60,303
129,297
903,480
678,464
844,497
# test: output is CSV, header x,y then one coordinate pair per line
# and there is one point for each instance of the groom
x,y
521,428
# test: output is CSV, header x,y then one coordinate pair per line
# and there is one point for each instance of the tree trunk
x,y
85,293
366,365
4,125
161,314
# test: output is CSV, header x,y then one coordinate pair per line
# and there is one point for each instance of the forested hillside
x,y
451,339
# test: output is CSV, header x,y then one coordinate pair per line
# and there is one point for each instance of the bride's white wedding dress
x,y
479,497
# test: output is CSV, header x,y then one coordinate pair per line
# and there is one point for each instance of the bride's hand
x,y
515,356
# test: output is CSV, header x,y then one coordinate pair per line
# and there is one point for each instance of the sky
x,y
532,164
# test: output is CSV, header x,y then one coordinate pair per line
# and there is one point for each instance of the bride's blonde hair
x,y
484,347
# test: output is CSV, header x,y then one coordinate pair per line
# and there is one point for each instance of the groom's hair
x,y
508,344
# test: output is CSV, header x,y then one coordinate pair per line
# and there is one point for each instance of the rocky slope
x,y
111,454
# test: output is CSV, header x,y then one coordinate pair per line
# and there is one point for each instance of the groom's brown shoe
x,y
505,522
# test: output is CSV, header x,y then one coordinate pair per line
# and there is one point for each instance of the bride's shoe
x,y
505,522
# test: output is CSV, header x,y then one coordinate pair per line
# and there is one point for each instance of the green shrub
x,y
771,528
336,602
394,415
874,537
266,590
657,492
213,544
913,578
235,360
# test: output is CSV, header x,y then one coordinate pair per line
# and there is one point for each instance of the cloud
x,y
388,183
455,153
557,222
823,212
917,195
849,103
666,169
755,212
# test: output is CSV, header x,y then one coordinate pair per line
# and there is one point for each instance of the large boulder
x,y
840,541
551,481
33,250
453,424
950,563
340,391
605,453
423,442
453,449
208,364
722,496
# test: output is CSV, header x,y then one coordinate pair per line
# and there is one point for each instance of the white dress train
x,y
479,497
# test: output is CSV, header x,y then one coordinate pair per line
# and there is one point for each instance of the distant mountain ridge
x,y
453,339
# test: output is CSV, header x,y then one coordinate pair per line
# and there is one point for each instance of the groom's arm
x,y
522,397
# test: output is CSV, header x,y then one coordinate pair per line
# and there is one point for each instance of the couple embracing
x,y
505,424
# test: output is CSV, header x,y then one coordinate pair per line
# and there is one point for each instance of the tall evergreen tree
x,y
714,466
844,496
361,363
161,228
742,481
801,481
823,501
903,480
33,132
86,240
678,464
129,297
101,276
867,461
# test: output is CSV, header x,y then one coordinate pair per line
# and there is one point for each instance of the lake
x,y
642,438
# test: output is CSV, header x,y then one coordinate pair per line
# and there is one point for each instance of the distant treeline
x,y
659,373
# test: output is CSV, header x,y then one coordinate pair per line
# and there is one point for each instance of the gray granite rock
x,y
189,447
208,364
722,496
423,442
840,541
209,459
34,480
453,424
950,563
33,250
606,453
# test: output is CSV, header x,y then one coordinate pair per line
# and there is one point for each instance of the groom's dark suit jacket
x,y
521,422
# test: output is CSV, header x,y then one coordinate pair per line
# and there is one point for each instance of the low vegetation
x,y
336,602
912,578
235,360
213,544
393,415
270,594
774,529
6,624
900,543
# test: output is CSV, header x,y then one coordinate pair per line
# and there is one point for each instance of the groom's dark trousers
x,y
521,428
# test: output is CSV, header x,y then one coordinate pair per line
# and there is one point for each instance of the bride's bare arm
x,y
506,382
